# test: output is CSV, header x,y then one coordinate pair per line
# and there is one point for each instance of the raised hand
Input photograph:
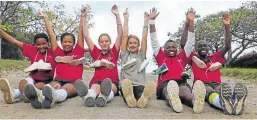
x,y
191,15
146,16
42,14
126,14
115,10
226,19
85,10
153,13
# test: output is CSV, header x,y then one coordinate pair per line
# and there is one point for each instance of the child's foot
x,y
7,90
127,90
225,98
241,93
148,92
199,92
173,94
22,84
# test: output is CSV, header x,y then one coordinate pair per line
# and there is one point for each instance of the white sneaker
x,y
7,90
215,66
95,64
78,61
32,67
34,96
129,64
199,92
49,93
199,62
173,94
63,59
43,66
144,64
107,64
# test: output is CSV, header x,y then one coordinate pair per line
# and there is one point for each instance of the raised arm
x,y
49,30
189,46
154,42
184,34
115,11
89,41
10,39
226,22
125,32
145,33
80,34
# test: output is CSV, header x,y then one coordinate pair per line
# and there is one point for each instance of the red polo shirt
x,y
30,51
103,72
65,71
175,65
208,76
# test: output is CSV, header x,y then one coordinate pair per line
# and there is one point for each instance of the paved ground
x,y
117,109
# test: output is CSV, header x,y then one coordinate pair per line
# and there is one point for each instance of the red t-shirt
x,y
65,71
208,76
102,72
175,65
30,51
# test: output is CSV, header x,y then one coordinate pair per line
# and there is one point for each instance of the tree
x,y
243,30
19,20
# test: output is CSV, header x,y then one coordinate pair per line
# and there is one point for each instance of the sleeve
x,y
217,57
189,47
28,50
155,44
95,53
115,52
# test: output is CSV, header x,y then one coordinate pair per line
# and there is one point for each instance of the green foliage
x,y
13,65
241,73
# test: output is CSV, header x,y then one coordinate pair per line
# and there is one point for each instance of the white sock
x,y
110,97
61,95
92,93
17,93
216,102
30,80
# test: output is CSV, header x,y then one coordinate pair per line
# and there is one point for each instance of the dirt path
x,y
117,109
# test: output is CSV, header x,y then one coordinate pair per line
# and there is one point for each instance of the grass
x,y
241,73
13,65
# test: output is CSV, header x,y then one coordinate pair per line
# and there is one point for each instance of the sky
x,y
172,14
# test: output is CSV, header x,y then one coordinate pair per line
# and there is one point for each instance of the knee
x,y
40,85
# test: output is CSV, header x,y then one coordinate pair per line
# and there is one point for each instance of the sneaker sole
x,y
81,88
22,84
6,88
64,59
31,93
199,92
77,62
241,92
199,62
106,87
127,90
130,64
90,102
225,95
149,90
173,93
48,93
100,102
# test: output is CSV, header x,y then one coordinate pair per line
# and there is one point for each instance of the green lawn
x,y
7,65
241,73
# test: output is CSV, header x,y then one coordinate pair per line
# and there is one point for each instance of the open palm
x,y
191,15
153,14
42,14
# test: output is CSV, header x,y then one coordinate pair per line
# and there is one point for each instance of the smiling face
x,y
133,44
170,49
67,41
104,42
42,45
202,48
